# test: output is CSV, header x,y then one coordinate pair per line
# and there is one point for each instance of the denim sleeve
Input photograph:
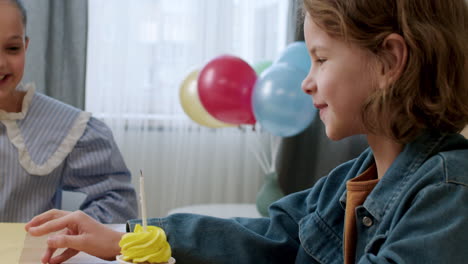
x,y
204,239
433,230
96,168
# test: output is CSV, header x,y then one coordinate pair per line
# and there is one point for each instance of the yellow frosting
x,y
150,246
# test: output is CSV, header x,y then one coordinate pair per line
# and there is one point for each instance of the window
x,y
140,51
138,54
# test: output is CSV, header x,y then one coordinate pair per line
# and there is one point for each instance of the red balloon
x,y
225,87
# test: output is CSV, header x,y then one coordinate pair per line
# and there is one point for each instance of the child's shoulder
x,y
455,165
451,162
49,102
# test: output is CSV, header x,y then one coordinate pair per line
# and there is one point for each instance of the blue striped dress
x,y
49,147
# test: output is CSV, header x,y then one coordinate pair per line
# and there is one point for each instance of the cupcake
x,y
145,247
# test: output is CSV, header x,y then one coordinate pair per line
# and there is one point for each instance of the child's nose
x,y
308,85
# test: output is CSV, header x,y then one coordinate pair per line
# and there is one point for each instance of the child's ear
x,y
394,55
26,42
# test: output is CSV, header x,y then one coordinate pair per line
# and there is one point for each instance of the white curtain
x,y
138,54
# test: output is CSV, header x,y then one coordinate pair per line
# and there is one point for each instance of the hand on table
x,y
79,232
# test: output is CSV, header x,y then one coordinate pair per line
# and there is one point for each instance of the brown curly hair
x,y
432,92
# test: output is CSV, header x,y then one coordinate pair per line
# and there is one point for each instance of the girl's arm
x,y
96,168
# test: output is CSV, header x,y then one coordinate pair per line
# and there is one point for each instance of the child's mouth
x,y
4,78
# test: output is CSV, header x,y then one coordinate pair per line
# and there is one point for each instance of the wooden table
x,y
17,246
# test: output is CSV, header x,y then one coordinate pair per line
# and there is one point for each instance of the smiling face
x,y
13,44
340,80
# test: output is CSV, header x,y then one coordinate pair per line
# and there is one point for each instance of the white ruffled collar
x,y
65,144
30,88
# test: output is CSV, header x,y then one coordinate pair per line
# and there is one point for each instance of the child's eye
x,y
320,60
14,49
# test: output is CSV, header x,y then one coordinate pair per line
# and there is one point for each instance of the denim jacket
x,y
417,213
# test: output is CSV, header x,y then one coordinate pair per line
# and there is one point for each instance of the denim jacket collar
x,y
391,184
368,161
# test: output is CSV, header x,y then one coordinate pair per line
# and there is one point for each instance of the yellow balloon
x,y
190,101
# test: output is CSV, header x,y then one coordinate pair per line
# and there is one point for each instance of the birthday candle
x,y
143,201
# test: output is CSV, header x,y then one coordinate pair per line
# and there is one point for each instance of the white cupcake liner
x,y
121,261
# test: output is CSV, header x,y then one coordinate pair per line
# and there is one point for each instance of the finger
x,y
48,255
68,253
56,223
66,241
45,217
51,250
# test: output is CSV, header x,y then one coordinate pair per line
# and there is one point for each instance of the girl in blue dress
x,y
47,146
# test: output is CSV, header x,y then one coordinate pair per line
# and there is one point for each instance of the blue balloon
x,y
279,104
296,55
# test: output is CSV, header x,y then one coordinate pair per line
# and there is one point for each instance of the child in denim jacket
x,y
394,70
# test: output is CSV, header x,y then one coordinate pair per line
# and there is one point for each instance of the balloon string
x,y
274,143
262,150
259,159
265,151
